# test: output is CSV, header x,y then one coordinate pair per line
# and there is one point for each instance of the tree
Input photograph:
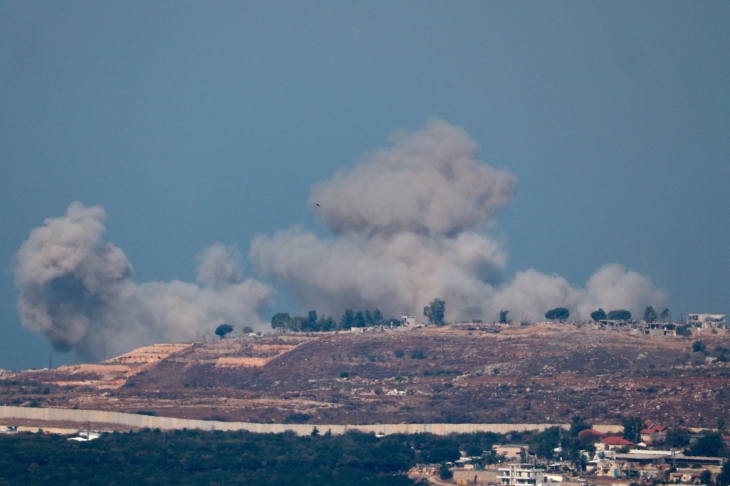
x,y
650,314
598,315
312,317
723,479
359,320
298,323
377,315
698,346
710,445
443,450
445,472
559,313
683,331
578,425
632,428
664,316
678,438
368,317
619,315
247,330
280,320
326,323
222,330
503,316
706,477
348,318
435,312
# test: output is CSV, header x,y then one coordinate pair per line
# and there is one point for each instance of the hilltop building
x,y
707,321
408,321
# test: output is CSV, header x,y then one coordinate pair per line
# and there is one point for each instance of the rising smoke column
x,y
78,290
412,222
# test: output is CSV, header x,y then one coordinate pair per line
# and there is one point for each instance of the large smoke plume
x,y
408,223
78,290
412,222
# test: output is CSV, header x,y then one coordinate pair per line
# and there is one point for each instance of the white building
x,y
408,321
707,321
526,475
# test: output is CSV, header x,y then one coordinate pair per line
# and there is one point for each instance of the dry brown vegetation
x,y
533,374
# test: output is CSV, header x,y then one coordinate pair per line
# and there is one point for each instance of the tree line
x,y
561,314
237,457
313,323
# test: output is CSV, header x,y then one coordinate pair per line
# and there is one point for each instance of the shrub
x,y
418,354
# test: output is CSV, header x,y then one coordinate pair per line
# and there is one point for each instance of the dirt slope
x,y
532,374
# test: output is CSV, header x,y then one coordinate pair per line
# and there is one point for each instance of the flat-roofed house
x,y
510,451
707,321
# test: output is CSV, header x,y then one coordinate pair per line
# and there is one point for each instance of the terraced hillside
x,y
536,374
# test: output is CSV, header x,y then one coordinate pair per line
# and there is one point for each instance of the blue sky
x,y
195,123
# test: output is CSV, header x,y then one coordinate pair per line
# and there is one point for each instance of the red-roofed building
x,y
589,433
614,442
654,434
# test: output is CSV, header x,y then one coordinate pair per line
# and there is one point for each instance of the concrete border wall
x,y
605,429
170,423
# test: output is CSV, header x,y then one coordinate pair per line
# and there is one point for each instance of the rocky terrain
x,y
523,374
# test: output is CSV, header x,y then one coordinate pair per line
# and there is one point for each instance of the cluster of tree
x,y
710,444
558,314
650,315
349,319
225,329
203,457
197,457
435,312
353,318
561,314
553,443
614,315
310,323
720,352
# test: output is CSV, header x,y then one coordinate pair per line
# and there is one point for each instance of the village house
x,y
510,451
613,442
660,329
589,433
655,434
707,321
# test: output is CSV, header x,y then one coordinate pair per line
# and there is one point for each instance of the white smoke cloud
x,y
78,290
411,223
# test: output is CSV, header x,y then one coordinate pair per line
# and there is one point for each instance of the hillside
x,y
533,374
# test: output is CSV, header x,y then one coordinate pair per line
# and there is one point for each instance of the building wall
x,y
483,477
135,420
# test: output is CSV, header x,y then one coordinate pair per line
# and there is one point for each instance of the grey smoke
x,y
412,222
78,290
408,223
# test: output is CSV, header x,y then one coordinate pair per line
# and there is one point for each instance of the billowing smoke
x,y
408,223
412,222
78,290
